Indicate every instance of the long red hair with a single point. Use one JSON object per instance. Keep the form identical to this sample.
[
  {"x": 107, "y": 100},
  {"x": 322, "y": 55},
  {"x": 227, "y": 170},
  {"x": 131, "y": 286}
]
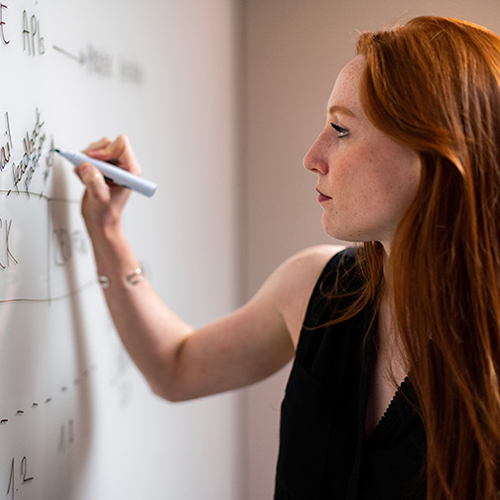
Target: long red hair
[{"x": 434, "y": 85}]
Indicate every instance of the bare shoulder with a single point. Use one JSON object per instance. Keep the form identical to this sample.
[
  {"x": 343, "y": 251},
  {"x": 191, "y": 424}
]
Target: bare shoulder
[
  {"x": 312, "y": 258},
  {"x": 294, "y": 281},
  {"x": 304, "y": 268}
]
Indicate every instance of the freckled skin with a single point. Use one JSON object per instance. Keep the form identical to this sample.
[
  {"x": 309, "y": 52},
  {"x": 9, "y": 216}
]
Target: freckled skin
[{"x": 370, "y": 178}]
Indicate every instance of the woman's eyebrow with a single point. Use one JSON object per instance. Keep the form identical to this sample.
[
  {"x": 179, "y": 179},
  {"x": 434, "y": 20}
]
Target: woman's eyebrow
[{"x": 340, "y": 109}]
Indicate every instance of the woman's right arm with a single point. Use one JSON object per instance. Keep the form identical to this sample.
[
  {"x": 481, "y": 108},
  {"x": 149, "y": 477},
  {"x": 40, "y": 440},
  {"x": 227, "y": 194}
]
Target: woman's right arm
[{"x": 181, "y": 363}]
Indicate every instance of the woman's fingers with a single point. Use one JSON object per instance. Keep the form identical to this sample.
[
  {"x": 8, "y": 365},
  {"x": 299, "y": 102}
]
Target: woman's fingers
[
  {"x": 96, "y": 146},
  {"x": 94, "y": 182},
  {"x": 119, "y": 152}
]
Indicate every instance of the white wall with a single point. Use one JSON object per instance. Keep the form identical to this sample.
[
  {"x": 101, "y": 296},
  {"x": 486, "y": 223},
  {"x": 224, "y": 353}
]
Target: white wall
[{"x": 293, "y": 52}]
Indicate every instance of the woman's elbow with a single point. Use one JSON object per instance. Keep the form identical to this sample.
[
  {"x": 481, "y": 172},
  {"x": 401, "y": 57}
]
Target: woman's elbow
[{"x": 168, "y": 391}]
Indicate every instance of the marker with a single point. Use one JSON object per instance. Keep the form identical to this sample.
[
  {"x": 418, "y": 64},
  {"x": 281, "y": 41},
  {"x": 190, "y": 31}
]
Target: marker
[{"x": 115, "y": 174}]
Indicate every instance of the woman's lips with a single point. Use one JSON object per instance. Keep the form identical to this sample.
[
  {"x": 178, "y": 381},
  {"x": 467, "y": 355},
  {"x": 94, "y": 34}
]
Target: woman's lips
[{"x": 322, "y": 197}]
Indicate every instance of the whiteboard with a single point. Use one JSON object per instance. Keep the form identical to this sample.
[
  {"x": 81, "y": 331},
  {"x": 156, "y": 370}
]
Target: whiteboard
[{"x": 77, "y": 420}]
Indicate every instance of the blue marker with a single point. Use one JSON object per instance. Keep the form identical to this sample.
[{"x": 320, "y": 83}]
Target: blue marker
[{"x": 115, "y": 174}]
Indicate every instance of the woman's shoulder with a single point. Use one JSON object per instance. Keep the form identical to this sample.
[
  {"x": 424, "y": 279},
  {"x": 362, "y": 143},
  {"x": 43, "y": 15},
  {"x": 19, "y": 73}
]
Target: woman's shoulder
[
  {"x": 298, "y": 277},
  {"x": 308, "y": 264},
  {"x": 321, "y": 255},
  {"x": 322, "y": 259},
  {"x": 287, "y": 292}
]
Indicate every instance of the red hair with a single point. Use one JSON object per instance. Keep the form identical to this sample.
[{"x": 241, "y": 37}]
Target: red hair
[{"x": 433, "y": 84}]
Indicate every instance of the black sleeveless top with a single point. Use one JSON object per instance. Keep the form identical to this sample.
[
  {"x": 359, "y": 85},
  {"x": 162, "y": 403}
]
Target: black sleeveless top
[{"x": 324, "y": 453}]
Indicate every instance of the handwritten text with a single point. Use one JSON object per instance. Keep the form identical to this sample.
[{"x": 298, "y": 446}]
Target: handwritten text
[
  {"x": 6, "y": 149},
  {"x": 32, "y": 145},
  {"x": 6, "y": 256},
  {"x": 32, "y": 34},
  {"x": 2, "y": 24}
]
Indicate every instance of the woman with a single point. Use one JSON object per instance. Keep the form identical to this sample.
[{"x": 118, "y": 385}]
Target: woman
[{"x": 394, "y": 391}]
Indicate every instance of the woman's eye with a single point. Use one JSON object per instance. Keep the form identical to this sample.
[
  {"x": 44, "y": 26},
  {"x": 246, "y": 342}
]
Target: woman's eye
[{"x": 342, "y": 132}]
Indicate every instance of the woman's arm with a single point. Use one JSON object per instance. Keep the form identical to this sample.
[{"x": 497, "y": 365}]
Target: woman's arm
[{"x": 179, "y": 362}]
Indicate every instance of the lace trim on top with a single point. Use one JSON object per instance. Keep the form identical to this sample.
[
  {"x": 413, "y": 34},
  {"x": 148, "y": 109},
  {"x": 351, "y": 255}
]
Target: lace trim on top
[{"x": 389, "y": 418}]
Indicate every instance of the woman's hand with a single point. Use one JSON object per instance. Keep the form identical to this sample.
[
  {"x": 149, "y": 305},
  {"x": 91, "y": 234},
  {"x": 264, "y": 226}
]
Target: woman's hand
[{"x": 103, "y": 201}]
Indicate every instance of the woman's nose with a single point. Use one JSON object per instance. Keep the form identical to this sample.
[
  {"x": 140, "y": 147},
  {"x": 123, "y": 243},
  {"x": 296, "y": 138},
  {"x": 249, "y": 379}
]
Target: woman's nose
[{"x": 315, "y": 158}]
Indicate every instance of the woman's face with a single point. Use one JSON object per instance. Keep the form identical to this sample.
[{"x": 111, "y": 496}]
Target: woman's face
[{"x": 366, "y": 180}]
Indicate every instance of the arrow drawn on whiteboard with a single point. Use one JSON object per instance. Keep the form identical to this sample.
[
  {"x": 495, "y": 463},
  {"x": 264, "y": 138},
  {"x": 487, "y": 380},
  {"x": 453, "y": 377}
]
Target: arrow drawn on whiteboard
[{"x": 80, "y": 59}]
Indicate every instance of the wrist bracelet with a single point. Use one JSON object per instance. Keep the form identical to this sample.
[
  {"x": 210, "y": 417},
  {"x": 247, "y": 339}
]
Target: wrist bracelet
[
  {"x": 132, "y": 279},
  {"x": 136, "y": 277},
  {"x": 103, "y": 281}
]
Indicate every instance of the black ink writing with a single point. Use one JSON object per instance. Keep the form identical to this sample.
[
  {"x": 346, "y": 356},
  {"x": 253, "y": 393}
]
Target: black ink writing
[
  {"x": 6, "y": 150},
  {"x": 32, "y": 145},
  {"x": 12, "y": 490},
  {"x": 32, "y": 34},
  {"x": 12, "y": 486},
  {"x": 6, "y": 256},
  {"x": 2, "y": 25},
  {"x": 24, "y": 470}
]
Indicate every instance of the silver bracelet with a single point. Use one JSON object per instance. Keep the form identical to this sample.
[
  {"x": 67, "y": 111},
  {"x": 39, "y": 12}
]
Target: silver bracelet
[
  {"x": 136, "y": 277},
  {"x": 132, "y": 279},
  {"x": 103, "y": 281}
]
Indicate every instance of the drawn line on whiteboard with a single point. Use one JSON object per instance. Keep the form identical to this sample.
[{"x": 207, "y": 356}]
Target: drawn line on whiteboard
[
  {"x": 100, "y": 64},
  {"x": 84, "y": 287},
  {"x": 49, "y": 252},
  {"x": 80, "y": 59},
  {"x": 8, "y": 192},
  {"x": 64, "y": 388}
]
